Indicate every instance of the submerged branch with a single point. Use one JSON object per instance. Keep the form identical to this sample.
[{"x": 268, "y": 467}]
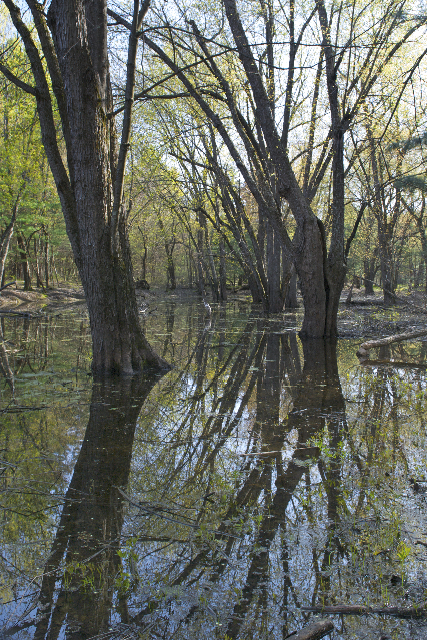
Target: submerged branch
[
  {"x": 417, "y": 611},
  {"x": 314, "y": 631}
]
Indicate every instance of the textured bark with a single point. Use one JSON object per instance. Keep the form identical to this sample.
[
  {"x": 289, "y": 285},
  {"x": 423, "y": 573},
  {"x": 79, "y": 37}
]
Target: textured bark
[
  {"x": 75, "y": 50},
  {"x": 309, "y": 264}
]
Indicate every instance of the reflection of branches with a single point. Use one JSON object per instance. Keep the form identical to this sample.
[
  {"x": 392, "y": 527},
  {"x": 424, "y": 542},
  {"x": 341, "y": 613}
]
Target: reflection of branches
[
  {"x": 222, "y": 419},
  {"x": 5, "y": 368},
  {"x": 90, "y": 525},
  {"x": 316, "y": 397}
]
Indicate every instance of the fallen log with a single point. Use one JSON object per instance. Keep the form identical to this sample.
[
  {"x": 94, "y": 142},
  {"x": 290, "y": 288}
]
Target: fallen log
[
  {"x": 417, "y": 611},
  {"x": 363, "y": 351},
  {"x": 5, "y": 286},
  {"x": 314, "y": 631},
  {"x": 21, "y": 314}
]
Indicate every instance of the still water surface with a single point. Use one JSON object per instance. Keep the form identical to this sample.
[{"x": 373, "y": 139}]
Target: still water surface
[{"x": 257, "y": 480}]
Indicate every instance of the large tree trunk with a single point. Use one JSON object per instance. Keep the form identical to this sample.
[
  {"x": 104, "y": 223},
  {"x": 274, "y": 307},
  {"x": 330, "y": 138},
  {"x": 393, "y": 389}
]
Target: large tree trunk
[
  {"x": 291, "y": 300},
  {"x": 119, "y": 345},
  {"x": 309, "y": 265},
  {"x": 77, "y": 60}
]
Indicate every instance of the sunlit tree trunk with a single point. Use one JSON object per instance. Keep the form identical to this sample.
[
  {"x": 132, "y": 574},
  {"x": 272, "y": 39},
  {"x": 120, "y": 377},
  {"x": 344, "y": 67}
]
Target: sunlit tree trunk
[{"x": 5, "y": 243}]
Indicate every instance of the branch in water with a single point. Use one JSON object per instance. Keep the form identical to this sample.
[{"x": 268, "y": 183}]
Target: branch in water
[{"x": 363, "y": 351}]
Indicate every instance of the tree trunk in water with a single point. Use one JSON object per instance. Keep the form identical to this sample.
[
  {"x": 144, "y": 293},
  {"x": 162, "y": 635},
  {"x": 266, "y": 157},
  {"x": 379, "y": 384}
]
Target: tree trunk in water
[
  {"x": 334, "y": 287},
  {"x": 257, "y": 296},
  {"x": 119, "y": 346},
  {"x": 77, "y": 61},
  {"x": 309, "y": 264}
]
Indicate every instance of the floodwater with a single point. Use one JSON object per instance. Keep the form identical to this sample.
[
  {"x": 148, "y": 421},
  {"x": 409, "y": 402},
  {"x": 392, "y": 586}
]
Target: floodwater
[{"x": 258, "y": 482}]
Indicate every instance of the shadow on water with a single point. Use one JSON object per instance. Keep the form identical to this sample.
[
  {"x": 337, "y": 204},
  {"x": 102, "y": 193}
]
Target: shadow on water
[{"x": 251, "y": 484}]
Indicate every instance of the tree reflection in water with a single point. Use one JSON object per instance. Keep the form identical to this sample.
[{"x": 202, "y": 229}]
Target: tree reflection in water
[
  {"x": 246, "y": 495},
  {"x": 88, "y": 535}
]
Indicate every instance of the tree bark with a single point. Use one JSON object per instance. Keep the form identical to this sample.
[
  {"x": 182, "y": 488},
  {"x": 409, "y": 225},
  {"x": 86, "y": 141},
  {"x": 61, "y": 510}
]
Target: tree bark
[
  {"x": 369, "y": 271},
  {"x": 291, "y": 300},
  {"x": 75, "y": 51},
  {"x": 24, "y": 262}
]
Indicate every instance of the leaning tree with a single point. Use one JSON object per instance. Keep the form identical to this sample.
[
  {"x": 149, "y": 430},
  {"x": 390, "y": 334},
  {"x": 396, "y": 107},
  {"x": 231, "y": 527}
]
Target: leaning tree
[
  {"x": 68, "y": 55},
  {"x": 251, "y": 70}
]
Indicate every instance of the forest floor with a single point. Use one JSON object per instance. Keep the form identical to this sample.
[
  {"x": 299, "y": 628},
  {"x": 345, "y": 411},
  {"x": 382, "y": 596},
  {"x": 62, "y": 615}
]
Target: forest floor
[{"x": 365, "y": 316}]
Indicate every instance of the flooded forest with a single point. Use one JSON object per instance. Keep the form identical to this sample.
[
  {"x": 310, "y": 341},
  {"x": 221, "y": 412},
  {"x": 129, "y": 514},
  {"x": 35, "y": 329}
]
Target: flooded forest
[
  {"x": 259, "y": 482},
  {"x": 213, "y": 342}
]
